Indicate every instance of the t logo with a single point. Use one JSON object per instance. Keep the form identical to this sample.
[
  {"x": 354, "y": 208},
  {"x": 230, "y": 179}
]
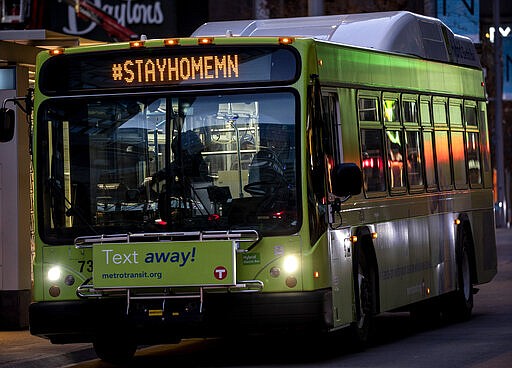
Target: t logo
[{"x": 220, "y": 272}]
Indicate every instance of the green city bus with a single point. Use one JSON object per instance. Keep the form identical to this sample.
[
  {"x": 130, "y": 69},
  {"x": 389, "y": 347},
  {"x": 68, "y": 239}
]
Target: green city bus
[{"x": 301, "y": 174}]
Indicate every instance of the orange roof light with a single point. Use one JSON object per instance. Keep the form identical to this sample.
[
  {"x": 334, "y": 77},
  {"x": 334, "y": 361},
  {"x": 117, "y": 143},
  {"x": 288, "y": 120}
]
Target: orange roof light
[
  {"x": 286, "y": 40},
  {"x": 172, "y": 42},
  {"x": 205, "y": 41},
  {"x": 58, "y": 51},
  {"x": 136, "y": 44}
]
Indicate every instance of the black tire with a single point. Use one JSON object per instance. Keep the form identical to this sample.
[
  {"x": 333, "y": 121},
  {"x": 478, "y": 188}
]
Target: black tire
[
  {"x": 116, "y": 350},
  {"x": 459, "y": 306},
  {"x": 364, "y": 292}
]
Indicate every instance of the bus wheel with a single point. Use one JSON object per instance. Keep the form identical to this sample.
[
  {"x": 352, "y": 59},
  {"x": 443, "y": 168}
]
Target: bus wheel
[
  {"x": 114, "y": 349},
  {"x": 364, "y": 287},
  {"x": 460, "y": 304}
]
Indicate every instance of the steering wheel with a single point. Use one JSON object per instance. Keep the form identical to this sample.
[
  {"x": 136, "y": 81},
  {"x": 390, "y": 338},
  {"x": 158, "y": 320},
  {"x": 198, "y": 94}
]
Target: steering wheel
[{"x": 259, "y": 188}]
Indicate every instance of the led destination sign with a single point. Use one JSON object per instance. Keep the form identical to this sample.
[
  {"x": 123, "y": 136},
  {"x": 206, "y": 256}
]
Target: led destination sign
[
  {"x": 166, "y": 67},
  {"x": 176, "y": 69}
]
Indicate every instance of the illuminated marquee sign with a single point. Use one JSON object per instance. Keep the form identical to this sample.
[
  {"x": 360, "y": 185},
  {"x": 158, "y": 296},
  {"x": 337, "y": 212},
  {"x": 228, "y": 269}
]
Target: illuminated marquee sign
[
  {"x": 168, "y": 68},
  {"x": 165, "y": 70}
]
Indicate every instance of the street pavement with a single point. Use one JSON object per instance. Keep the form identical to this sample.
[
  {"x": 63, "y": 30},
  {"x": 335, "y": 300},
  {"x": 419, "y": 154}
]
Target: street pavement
[{"x": 21, "y": 349}]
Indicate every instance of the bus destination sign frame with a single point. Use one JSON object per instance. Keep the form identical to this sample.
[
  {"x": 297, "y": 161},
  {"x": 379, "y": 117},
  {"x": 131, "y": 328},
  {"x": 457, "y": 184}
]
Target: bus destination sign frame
[{"x": 164, "y": 68}]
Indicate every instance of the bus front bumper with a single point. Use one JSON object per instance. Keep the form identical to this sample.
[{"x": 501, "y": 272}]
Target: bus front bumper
[{"x": 220, "y": 314}]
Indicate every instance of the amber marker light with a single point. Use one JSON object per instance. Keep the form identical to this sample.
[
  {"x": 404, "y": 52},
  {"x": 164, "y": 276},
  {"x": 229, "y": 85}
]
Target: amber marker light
[
  {"x": 374, "y": 235},
  {"x": 291, "y": 281},
  {"x": 316, "y": 274},
  {"x": 456, "y": 221},
  {"x": 136, "y": 44},
  {"x": 205, "y": 41},
  {"x": 286, "y": 40},
  {"x": 155, "y": 313},
  {"x": 54, "y": 291},
  {"x": 172, "y": 42},
  {"x": 353, "y": 239},
  {"x": 55, "y": 52}
]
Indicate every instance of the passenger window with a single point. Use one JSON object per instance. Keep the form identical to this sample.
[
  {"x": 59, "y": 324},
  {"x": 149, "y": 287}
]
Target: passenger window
[
  {"x": 472, "y": 148},
  {"x": 331, "y": 116},
  {"x": 484, "y": 147},
  {"x": 459, "y": 160},
  {"x": 373, "y": 160},
  {"x": 443, "y": 160},
  {"x": 414, "y": 162},
  {"x": 391, "y": 111},
  {"x": 430, "y": 168},
  {"x": 410, "y": 112},
  {"x": 368, "y": 109},
  {"x": 425, "y": 113},
  {"x": 455, "y": 115},
  {"x": 440, "y": 113},
  {"x": 470, "y": 116},
  {"x": 396, "y": 172}
]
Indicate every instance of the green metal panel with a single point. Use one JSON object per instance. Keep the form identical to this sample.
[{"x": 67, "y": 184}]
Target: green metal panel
[{"x": 360, "y": 67}]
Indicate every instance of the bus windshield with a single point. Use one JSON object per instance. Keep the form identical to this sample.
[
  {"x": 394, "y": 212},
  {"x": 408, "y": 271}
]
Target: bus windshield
[{"x": 164, "y": 163}]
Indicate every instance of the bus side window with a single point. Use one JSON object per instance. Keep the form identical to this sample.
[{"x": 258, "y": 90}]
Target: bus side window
[
  {"x": 391, "y": 111},
  {"x": 410, "y": 112},
  {"x": 414, "y": 162},
  {"x": 425, "y": 114},
  {"x": 485, "y": 146},
  {"x": 443, "y": 160},
  {"x": 372, "y": 154},
  {"x": 439, "y": 109},
  {"x": 459, "y": 160},
  {"x": 470, "y": 116},
  {"x": 442, "y": 144},
  {"x": 395, "y": 149},
  {"x": 430, "y": 168},
  {"x": 368, "y": 109},
  {"x": 331, "y": 117},
  {"x": 472, "y": 148}
]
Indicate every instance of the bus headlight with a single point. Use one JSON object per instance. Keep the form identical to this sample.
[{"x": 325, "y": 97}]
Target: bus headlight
[
  {"x": 291, "y": 264},
  {"x": 54, "y": 273}
]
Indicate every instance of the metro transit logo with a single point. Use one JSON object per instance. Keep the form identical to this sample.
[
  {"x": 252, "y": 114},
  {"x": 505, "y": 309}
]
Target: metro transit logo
[{"x": 220, "y": 272}]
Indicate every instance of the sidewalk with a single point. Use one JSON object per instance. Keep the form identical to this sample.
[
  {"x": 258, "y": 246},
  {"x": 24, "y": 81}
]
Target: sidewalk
[{"x": 21, "y": 349}]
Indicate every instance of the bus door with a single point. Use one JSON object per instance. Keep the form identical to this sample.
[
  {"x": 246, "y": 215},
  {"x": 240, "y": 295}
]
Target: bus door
[
  {"x": 338, "y": 237},
  {"x": 330, "y": 181}
]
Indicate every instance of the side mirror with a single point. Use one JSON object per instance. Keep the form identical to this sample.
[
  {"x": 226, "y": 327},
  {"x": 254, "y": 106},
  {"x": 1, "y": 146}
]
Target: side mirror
[
  {"x": 6, "y": 124},
  {"x": 346, "y": 179}
]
